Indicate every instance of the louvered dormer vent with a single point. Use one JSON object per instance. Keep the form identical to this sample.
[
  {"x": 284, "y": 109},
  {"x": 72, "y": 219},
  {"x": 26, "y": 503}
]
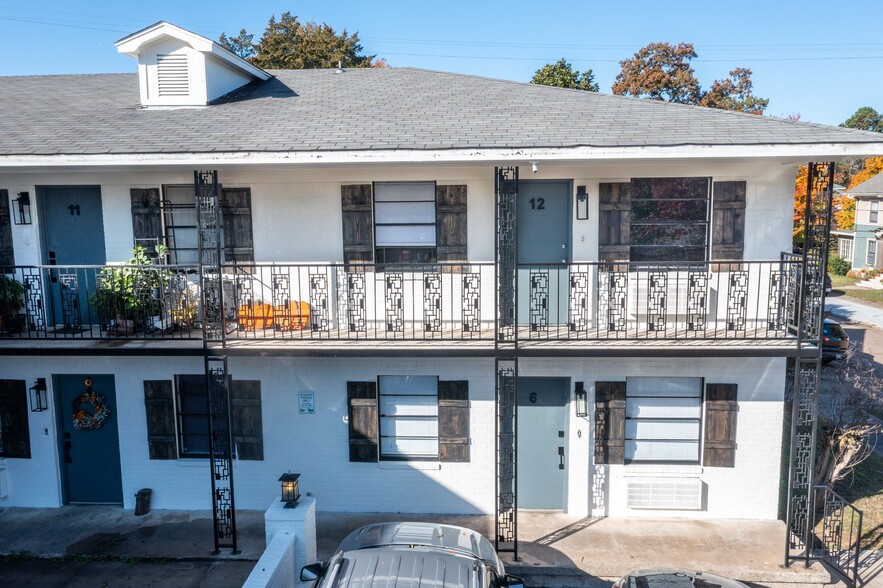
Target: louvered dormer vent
[{"x": 173, "y": 75}]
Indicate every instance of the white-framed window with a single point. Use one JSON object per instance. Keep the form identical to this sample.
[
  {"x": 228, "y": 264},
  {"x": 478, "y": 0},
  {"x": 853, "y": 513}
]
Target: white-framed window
[
  {"x": 663, "y": 419},
  {"x": 844, "y": 248},
  {"x": 408, "y": 417},
  {"x": 404, "y": 222},
  {"x": 875, "y": 212},
  {"x": 871, "y": 254}
]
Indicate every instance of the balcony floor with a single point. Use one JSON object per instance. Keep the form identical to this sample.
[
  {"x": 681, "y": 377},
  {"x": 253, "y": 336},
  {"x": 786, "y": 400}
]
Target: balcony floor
[{"x": 379, "y": 342}]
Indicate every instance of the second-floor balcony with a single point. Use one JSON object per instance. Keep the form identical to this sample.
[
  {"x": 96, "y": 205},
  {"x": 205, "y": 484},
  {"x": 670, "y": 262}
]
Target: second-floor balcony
[{"x": 326, "y": 304}]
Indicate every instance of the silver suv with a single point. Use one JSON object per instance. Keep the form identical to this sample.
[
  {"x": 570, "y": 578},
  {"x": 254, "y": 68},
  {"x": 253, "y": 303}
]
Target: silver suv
[{"x": 412, "y": 554}]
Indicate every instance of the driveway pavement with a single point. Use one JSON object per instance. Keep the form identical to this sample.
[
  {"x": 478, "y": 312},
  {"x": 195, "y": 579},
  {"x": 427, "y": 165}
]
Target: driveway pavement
[{"x": 854, "y": 310}]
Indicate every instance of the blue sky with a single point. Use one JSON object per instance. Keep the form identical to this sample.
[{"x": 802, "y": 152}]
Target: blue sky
[{"x": 822, "y": 60}]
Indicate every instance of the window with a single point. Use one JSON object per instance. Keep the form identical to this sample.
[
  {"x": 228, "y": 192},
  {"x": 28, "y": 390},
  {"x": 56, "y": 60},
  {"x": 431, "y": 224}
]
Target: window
[
  {"x": 875, "y": 211},
  {"x": 669, "y": 219},
  {"x": 844, "y": 248},
  {"x": 663, "y": 419},
  {"x": 178, "y": 418},
  {"x": 404, "y": 222},
  {"x": 408, "y": 417},
  {"x": 193, "y": 416},
  {"x": 871, "y": 255},
  {"x": 15, "y": 440},
  {"x": 179, "y": 223}
]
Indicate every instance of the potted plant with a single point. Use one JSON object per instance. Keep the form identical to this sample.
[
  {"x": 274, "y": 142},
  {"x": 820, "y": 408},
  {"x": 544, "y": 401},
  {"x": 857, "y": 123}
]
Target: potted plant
[
  {"x": 130, "y": 294},
  {"x": 12, "y": 294}
]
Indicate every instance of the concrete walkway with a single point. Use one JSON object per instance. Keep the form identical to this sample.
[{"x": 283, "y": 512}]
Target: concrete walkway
[
  {"x": 850, "y": 309},
  {"x": 556, "y": 549}
]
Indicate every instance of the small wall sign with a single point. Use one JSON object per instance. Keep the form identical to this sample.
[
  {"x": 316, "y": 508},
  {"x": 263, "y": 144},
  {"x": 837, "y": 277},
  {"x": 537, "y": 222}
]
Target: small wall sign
[{"x": 306, "y": 403}]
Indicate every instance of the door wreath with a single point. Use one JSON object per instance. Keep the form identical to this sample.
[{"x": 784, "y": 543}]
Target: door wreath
[{"x": 83, "y": 419}]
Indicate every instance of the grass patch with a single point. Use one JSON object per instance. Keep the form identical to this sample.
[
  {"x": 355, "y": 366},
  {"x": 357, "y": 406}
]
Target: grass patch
[
  {"x": 840, "y": 281},
  {"x": 867, "y": 295},
  {"x": 865, "y": 490}
]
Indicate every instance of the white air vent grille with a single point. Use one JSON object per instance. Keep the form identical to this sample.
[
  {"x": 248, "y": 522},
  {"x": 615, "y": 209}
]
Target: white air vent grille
[
  {"x": 665, "y": 493},
  {"x": 173, "y": 75}
]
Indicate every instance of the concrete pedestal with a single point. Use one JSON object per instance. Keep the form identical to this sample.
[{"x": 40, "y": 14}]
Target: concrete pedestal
[{"x": 300, "y": 522}]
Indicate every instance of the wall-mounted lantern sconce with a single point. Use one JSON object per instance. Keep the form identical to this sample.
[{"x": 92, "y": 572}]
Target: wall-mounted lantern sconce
[
  {"x": 582, "y": 203},
  {"x": 582, "y": 400},
  {"x": 38, "y": 395},
  {"x": 290, "y": 490},
  {"x": 22, "y": 214}
]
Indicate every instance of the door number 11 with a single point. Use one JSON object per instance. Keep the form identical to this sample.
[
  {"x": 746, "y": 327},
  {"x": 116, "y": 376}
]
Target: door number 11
[{"x": 75, "y": 209}]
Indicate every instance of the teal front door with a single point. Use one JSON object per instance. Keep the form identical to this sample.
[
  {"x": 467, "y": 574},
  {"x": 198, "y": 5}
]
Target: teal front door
[
  {"x": 542, "y": 443},
  {"x": 543, "y": 213},
  {"x": 90, "y": 442},
  {"x": 72, "y": 233}
]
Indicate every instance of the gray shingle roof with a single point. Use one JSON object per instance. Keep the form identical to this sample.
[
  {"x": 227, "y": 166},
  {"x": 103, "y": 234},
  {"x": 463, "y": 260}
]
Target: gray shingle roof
[
  {"x": 873, "y": 185},
  {"x": 367, "y": 109}
]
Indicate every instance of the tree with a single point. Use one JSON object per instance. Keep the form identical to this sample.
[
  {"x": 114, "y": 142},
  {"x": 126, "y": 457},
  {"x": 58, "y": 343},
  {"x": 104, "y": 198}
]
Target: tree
[
  {"x": 872, "y": 167},
  {"x": 734, "y": 93},
  {"x": 662, "y": 71},
  {"x": 288, "y": 44},
  {"x": 865, "y": 119},
  {"x": 844, "y": 213},
  {"x": 242, "y": 44},
  {"x": 562, "y": 75},
  {"x": 799, "y": 205}
]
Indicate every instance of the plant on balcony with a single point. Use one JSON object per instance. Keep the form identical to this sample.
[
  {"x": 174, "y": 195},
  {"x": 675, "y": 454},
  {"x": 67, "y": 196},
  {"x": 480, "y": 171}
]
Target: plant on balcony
[
  {"x": 12, "y": 294},
  {"x": 127, "y": 295}
]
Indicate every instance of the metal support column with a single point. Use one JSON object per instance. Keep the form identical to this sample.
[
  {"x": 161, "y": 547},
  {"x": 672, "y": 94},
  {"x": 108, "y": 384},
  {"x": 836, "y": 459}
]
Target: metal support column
[
  {"x": 217, "y": 380},
  {"x": 506, "y": 363},
  {"x": 807, "y": 370}
]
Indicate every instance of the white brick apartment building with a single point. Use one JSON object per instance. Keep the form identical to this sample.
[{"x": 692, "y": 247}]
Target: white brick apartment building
[{"x": 441, "y": 293}]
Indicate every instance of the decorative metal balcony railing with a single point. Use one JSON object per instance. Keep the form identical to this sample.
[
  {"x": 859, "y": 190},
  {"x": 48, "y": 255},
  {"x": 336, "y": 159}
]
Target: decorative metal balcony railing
[{"x": 436, "y": 302}]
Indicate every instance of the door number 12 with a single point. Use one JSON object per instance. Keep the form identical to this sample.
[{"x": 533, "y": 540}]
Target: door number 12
[{"x": 537, "y": 203}]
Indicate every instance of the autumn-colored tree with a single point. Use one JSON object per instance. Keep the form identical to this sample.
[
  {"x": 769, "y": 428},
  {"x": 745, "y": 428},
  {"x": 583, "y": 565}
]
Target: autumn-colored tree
[
  {"x": 844, "y": 213},
  {"x": 734, "y": 93},
  {"x": 562, "y": 75},
  {"x": 799, "y": 204},
  {"x": 662, "y": 71},
  {"x": 289, "y": 44},
  {"x": 872, "y": 167}
]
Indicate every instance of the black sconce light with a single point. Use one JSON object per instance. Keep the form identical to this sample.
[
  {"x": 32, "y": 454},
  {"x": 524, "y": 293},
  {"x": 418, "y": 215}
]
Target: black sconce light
[
  {"x": 582, "y": 400},
  {"x": 582, "y": 203},
  {"x": 290, "y": 491},
  {"x": 23, "y": 208},
  {"x": 39, "y": 402}
]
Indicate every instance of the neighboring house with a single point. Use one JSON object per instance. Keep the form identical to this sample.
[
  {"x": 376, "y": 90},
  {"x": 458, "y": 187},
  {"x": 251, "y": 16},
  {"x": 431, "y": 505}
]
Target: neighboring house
[
  {"x": 375, "y": 288},
  {"x": 864, "y": 245}
]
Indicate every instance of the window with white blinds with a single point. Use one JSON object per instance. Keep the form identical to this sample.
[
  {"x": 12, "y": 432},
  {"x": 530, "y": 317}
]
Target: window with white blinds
[
  {"x": 408, "y": 417},
  {"x": 404, "y": 222},
  {"x": 663, "y": 419}
]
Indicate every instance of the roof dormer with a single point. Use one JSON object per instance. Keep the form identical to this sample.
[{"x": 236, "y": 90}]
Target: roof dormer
[{"x": 180, "y": 68}]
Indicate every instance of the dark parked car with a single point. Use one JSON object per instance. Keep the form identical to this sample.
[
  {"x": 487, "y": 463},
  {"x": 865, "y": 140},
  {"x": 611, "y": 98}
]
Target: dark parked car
[
  {"x": 835, "y": 341},
  {"x": 412, "y": 554},
  {"x": 665, "y": 578},
  {"x": 829, "y": 287}
]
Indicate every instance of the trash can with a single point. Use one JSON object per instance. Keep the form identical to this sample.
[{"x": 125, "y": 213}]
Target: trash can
[{"x": 142, "y": 501}]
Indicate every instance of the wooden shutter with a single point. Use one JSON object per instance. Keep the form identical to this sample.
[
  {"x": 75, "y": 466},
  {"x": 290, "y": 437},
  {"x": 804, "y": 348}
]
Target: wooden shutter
[
  {"x": 363, "y": 421},
  {"x": 450, "y": 223},
  {"x": 614, "y": 221},
  {"x": 358, "y": 224},
  {"x": 610, "y": 422},
  {"x": 159, "y": 404},
  {"x": 7, "y": 254},
  {"x": 721, "y": 405},
  {"x": 248, "y": 434},
  {"x": 728, "y": 220},
  {"x": 146, "y": 214},
  {"x": 453, "y": 421},
  {"x": 15, "y": 434},
  {"x": 236, "y": 213}
]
